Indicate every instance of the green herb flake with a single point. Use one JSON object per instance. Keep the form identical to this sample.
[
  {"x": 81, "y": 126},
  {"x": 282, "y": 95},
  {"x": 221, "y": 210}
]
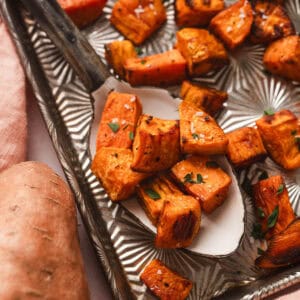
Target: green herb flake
[
  {"x": 131, "y": 135},
  {"x": 260, "y": 251},
  {"x": 280, "y": 189},
  {"x": 260, "y": 212},
  {"x": 195, "y": 136},
  {"x": 212, "y": 164},
  {"x": 263, "y": 175},
  {"x": 199, "y": 179},
  {"x": 188, "y": 178},
  {"x": 138, "y": 51},
  {"x": 294, "y": 132},
  {"x": 114, "y": 127},
  {"x": 143, "y": 61},
  {"x": 153, "y": 194},
  {"x": 269, "y": 112},
  {"x": 272, "y": 219},
  {"x": 257, "y": 232}
]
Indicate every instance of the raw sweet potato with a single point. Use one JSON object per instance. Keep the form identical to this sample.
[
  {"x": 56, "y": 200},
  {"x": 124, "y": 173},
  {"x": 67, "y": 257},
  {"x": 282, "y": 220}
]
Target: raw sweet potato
[
  {"x": 83, "y": 12},
  {"x": 163, "y": 69},
  {"x": 118, "y": 121},
  {"x": 39, "y": 250},
  {"x": 282, "y": 57},
  {"x": 233, "y": 24},
  {"x": 138, "y": 19}
]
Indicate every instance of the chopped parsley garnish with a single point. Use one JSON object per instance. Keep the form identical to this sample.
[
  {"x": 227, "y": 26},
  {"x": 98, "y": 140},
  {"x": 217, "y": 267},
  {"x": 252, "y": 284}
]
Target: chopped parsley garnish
[
  {"x": 260, "y": 212},
  {"x": 143, "y": 61},
  {"x": 212, "y": 164},
  {"x": 280, "y": 189},
  {"x": 269, "y": 112},
  {"x": 131, "y": 135},
  {"x": 189, "y": 178},
  {"x": 257, "y": 232},
  {"x": 263, "y": 175},
  {"x": 114, "y": 127},
  {"x": 195, "y": 136},
  {"x": 272, "y": 219},
  {"x": 199, "y": 179},
  {"x": 138, "y": 51},
  {"x": 260, "y": 251},
  {"x": 152, "y": 194}
]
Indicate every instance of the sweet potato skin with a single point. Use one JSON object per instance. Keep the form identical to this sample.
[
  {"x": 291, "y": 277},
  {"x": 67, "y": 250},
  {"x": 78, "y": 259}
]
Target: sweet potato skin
[
  {"x": 39, "y": 258},
  {"x": 280, "y": 133},
  {"x": 245, "y": 147},
  {"x": 123, "y": 110},
  {"x": 165, "y": 283},
  {"x": 163, "y": 69},
  {"x": 83, "y": 12},
  {"x": 233, "y": 24},
  {"x": 282, "y": 57}
]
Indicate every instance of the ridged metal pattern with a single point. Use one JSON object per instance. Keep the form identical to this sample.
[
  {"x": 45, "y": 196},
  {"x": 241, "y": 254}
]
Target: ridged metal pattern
[{"x": 251, "y": 92}]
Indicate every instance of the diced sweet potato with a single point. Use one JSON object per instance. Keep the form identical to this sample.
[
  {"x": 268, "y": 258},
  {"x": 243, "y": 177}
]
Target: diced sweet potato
[
  {"x": 280, "y": 134},
  {"x": 153, "y": 194},
  {"x": 204, "y": 179},
  {"x": 118, "y": 121},
  {"x": 197, "y": 12},
  {"x": 179, "y": 222},
  {"x": 138, "y": 19},
  {"x": 282, "y": 57},
  {"x": 116, "y": 54},
  {"x": 208, "y": 99},
  {"x": 245, "y": 147},
  {"x": 156, "y": 144},
  {"x": 271, "y": 22},
  {"x": 233, "y": 24},
  {"x": 83, "y": 12},
  {"x": 112, "y": 166},
  {"x": 165, "y": 283},
  {"x": 163, "y": 69},
  {"x": 202, "y": 51},
  {"x": 283, "y": 249},
  {"x": 199, "y": 132},
  {"x": 273, "y": 205}
]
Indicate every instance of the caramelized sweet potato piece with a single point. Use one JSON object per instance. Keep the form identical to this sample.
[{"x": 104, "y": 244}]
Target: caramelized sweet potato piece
[
  {"x": 179, "y": 222},
  {"x": 282, "y": 57},
  {"x": 163, "y": 69},
  {"x": 156, "y": 144},
  {"x": 83, "y": 12},
  {"x": 112, "y": 166},
  {"x": 245, "y": 147},
  {"x": 116, "y": 54},
  {"x": 165, "y": 283},
  {"x": 208, "y": 99},
  {"x": 196, "y": 12},
  {"x": 138, "y": 19},
  {"x": 202, "y": 51},
  {"x": 271, "y": 22},
  {"x": 280, "y": 134},
  {"x": 284, "y": 248},
  {"x": 199, "y": 132},
  {"x": 271, "y": 198},
  {"x": 204, "y": 179},
  {"x": 118, "y": 121},
  {"x": 153, "y": 194},
  {"x": 233, "y": 24}
]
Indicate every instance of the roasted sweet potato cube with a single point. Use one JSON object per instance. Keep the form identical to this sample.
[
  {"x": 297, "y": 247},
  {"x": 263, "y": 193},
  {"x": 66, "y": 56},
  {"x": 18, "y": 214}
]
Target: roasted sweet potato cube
[
  {"x": 153, "y": 193},
  {"x": 208, "y": 99},
  {"x": 163, "y": 69},
  {"x": 118, "y": 121},
  {"x": 283, "y": 248},
  {"x": 233, "y": 24},
  {"x": 112, "y": 166},
  {"x": 271, "y": 22},
  {"x": 282, "y": 57},
  {"x": 156, "y": 144},
  {"x": 82, "y": 12},
  {"x": 273, "y": 206},
  {"x": 165, "y": 283},
  {"x": 202, "y": 51},
  {"x": 199, "y": 132},
  {"x": 138, "y": 19},
  {"x": 179, "y": 222},
  {"x": 203, "y": 178},
  {"x": 281, "y": 137},
  {"x": 116, "y": 54},
  {"x": 245, "y": 147},
  {"x": 197, "y": 12}
]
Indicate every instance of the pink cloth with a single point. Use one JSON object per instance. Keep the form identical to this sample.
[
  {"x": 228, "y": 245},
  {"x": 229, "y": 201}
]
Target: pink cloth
[{"x": 13, "y": 122}]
